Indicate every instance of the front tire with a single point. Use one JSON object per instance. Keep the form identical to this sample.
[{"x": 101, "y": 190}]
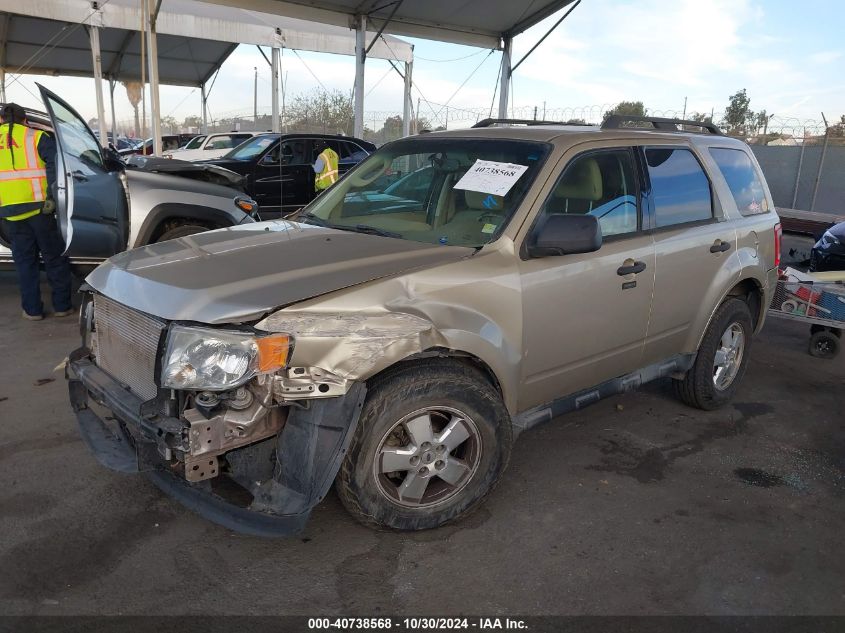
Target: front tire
[
  {"x": 432, "y": 442},
  {"x": 721, "y": 360}
]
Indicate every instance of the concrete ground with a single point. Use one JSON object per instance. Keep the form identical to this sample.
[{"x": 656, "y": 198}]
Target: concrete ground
[{"x": 636, "y": 505}]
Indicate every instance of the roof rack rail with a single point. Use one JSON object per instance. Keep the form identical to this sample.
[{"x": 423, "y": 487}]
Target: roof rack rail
[
  {"x": 491, "y": 122},
  {"x": 617, "y": 121}
]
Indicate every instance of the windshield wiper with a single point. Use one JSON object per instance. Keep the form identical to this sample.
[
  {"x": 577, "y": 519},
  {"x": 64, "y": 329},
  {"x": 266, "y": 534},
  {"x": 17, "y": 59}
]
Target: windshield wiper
[
  {"x": 369, "y": 230},
  {"x": 309, "y": 218}
]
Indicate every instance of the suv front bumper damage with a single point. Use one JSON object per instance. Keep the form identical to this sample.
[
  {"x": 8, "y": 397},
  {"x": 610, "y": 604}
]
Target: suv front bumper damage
[{"x": 286, "y": 475}]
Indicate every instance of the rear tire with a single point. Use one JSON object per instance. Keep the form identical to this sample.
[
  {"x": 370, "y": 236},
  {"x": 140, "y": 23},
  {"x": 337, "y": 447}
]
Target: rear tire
[
  {"x": 439, "y": 417},
  {"x": 824, "y": 345},
  {"x": 181, "y": 230},
  {"x": 721, "y": 360}
]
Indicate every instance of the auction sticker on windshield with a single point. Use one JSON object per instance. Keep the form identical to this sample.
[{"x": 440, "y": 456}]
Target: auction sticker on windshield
[{"x": 488, "y": 176}]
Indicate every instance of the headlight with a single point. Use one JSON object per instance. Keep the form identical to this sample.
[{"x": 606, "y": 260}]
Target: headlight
[
  {"x": 205, "y": 358},
  {"x": 830, "y": 238}
]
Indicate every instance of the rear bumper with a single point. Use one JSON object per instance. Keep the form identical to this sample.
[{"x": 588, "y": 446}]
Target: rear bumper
[{"x": 309, "y": 451}]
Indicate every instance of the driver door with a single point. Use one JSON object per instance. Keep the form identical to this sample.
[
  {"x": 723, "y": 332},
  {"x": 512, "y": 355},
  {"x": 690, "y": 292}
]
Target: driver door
[{"x": 91, "y": 203}]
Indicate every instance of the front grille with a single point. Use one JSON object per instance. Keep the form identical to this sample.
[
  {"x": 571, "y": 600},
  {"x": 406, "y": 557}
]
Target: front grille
[{"x": 127, "y": 345}]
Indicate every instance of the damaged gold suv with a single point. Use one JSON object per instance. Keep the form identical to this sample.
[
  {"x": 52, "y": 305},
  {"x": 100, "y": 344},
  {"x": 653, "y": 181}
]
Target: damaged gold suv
[{"x": 397, "y": 334}]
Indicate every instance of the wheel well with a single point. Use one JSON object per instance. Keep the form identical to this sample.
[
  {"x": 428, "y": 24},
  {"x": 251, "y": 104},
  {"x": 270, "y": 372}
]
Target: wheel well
[
  {"x": 439, "y": 355},
  {"x": 171, "y": 223},
  {"x": 752, "y": 293}
]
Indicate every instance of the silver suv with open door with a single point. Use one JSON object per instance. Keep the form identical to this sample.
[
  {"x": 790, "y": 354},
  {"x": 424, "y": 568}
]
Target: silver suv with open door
[
  {"x": 451, "y": 291},
  {"x": 104, "y": 207}
]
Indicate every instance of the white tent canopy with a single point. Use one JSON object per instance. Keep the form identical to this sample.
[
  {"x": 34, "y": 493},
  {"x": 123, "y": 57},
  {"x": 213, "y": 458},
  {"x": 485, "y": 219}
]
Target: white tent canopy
[
  {"x": 485, "y": 23},
  {"x": 189, "y": 40}
]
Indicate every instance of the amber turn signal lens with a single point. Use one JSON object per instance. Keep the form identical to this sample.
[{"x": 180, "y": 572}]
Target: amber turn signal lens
[
  {"x": 273, "y": 352},
  {"x": 246, "y": 205}
]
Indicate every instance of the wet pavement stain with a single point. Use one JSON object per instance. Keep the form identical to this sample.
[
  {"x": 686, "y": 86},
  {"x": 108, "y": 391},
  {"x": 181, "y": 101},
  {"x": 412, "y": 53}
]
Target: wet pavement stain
[
  {"x": 626, "y": 454},
  {"x": 757, "y": 477}
]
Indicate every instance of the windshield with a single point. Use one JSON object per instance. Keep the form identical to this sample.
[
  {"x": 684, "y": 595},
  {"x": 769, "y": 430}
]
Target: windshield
[
  {"x": 194, "y": 143},
  {"x": 459, "y": 192},
  {"x": 253, "y": 147}
]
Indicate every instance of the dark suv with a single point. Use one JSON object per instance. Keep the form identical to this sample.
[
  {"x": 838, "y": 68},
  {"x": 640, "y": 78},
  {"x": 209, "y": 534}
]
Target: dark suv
[{"x": 277, "y": 167}]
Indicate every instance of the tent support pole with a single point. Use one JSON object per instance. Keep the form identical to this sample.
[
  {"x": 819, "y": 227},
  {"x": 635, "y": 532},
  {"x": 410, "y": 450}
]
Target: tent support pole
[
  {"x": 360, "y": 59},
  {"x": 94, "y": 36},
  {"x": 152, "y": 58},
  {"x": 406, "y": 113},
  {"x": 112, "y": 84},
  {"x": 504, "y": 82},
  {"x": 204, "y": 97},
  {"x": 2, "y": 85},
  {"x": 275, "y": 90}
]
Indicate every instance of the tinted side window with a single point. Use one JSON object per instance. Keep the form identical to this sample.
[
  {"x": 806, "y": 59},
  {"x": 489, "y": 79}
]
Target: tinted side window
[
  {"x": 680, "y": 188},
  {"x": 601, "y": 184},
  {"x": 743, "y": 180}
]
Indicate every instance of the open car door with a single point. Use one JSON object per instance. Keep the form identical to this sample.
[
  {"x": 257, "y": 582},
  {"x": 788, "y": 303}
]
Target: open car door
[{"x": 91, "y": 202}]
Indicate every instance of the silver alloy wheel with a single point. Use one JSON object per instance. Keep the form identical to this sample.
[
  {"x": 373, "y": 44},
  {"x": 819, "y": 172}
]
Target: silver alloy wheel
[
  {"x": 427, "y": 457},
  {"x": 728, "y": 358}
]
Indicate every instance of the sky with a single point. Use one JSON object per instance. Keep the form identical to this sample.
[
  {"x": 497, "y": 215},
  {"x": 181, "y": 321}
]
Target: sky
[{"x": 789, "y": 57}]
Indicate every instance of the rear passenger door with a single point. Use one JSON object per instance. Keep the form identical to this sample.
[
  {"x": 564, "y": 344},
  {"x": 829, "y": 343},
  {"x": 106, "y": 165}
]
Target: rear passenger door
[
  {"x": 695, "y": 247},
  {"x": 585, "y": 316}
]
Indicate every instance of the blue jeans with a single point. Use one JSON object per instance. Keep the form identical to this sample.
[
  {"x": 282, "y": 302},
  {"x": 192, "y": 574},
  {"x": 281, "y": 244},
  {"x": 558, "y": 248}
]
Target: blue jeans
[{"x": 39, "y": 235}]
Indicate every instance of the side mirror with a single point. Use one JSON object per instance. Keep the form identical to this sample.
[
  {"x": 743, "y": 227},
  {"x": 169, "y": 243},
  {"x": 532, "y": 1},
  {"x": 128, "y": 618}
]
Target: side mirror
[
  {"x": 269, "y": 159},
  {"x": 112, "y": 159},
  {"x": 560, "y": 234}
]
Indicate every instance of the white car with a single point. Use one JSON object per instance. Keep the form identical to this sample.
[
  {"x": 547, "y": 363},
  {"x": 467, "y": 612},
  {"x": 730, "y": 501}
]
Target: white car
[{"x": 209, "y": 146}]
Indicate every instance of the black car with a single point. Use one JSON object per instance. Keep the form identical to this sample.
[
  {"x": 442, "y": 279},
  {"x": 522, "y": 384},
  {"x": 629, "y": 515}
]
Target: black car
[
  {"x": 829, "y": 251},
  {"x": 278, "y": 168}
]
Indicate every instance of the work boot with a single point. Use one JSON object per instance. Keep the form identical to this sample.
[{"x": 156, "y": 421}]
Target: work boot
[
  {"x": 32, "y": 317},
  {"x": 63, "y": 313}
]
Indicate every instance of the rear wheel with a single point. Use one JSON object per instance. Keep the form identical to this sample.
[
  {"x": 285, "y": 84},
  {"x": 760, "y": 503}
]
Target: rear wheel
[
  {"x": 431, "y": 443},
  {"x": 721, "y": 360},
  {"x": 824, "y": 344},
  {"x": 181, "y": 230}
]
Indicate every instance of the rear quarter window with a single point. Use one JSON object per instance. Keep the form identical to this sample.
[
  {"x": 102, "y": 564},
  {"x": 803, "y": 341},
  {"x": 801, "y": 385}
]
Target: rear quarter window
[
  {"x": 743, "y": 180},
  {"x": 679, "y": 187}
]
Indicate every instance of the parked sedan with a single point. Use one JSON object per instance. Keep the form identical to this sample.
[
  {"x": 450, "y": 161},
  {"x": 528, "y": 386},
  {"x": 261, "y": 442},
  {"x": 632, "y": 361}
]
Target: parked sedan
[
  {"x": 829, "y": 251},
  {"x": 278, "y": 167}
]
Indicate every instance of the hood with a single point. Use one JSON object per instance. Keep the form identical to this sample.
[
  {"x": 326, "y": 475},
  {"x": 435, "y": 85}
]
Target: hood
[
  {"x": 196, "y": 171},
  {"x": 240, "y": 273}
]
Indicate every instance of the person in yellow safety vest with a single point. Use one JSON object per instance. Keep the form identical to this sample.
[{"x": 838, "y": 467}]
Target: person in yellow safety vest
[
  {"x": 325, "y": 167},
  {"x": 27, "y": 178}
]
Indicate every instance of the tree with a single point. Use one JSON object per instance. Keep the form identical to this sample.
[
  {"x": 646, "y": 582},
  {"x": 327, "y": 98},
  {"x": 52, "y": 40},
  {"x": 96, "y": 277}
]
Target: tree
[
  {"x": 320, "y": 110},
  {"x": 630, "y": 108},
  {"x": 576, "y": 122},
  {"x": 838, "y": 129},
  {"x": 192, "y": 123},
  {"x": 739, "y": 118},
  {"x": 134, "y": 91},
  {"x": 170, "y": 123}
]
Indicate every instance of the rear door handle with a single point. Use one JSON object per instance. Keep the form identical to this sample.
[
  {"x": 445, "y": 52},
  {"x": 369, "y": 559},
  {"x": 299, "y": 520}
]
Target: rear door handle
[
  {"x": 78, "y": 176},
  {"x": 632, "y": 269},
  {"x": 720, "y": 246}
]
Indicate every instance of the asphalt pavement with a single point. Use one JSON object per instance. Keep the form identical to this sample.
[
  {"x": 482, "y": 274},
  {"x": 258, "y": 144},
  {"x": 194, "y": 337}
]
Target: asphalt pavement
[{"x": 636, "y": 505}]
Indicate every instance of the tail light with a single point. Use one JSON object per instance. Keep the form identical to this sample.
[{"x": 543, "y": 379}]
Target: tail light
[{"x": 778, "y": 240}]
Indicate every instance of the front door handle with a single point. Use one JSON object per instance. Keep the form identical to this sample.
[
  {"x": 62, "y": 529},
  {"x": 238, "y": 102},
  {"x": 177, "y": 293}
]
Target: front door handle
[
  {"x": 78, "y": 176},
  {"x": 630, "y": 269},
  {"x": 720, "y": 246}
]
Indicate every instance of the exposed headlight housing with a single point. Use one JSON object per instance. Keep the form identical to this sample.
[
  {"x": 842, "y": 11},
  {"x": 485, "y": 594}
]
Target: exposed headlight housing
[{"x": 217, "y": 360}]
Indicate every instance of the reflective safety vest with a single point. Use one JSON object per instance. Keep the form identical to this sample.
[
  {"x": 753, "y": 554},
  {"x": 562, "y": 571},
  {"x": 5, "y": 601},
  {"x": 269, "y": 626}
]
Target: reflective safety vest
[
  {"x": 328, "y": 176},
  {"x": 23, "y": 175}
]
